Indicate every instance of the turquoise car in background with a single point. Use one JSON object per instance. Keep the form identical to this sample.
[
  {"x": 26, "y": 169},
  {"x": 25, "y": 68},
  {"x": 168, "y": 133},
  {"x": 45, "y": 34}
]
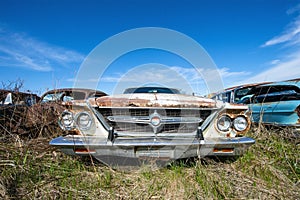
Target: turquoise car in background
[{"x": 275, "y": 104}]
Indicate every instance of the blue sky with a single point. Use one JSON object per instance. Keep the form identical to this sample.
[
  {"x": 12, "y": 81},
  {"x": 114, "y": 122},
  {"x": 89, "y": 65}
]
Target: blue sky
[{"x": 44, "y": 42}]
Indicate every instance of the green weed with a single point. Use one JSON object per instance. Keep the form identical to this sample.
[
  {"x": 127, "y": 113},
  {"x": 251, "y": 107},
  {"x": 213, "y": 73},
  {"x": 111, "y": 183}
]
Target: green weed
[{"x": 268, "y": 170}]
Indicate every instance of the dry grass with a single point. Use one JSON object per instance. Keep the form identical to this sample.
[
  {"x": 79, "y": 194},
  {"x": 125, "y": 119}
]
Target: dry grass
[{"x": 31, "y": 169}]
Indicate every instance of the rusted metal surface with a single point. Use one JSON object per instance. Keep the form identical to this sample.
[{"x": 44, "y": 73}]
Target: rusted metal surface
[{"x": 155, "y": 100}]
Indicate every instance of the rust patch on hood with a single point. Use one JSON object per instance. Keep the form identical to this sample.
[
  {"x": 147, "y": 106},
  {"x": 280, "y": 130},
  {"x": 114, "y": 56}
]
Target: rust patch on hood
[{"x": 155, "y": 100}]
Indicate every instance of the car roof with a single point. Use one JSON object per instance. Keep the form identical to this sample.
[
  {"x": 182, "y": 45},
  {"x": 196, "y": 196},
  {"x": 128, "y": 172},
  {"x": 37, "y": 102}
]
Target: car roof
[{"x": 212, "y": 95}]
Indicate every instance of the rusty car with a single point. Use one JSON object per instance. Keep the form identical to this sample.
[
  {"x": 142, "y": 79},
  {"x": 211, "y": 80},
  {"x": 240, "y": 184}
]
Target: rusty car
[
  {"x": 53, "y": 102},
  {"x": 153, "y": 123}
]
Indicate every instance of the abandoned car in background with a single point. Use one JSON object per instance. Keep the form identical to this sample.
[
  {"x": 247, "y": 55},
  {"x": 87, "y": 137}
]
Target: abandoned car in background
[
  {"x": 275, "y": 104},
  {"x": 14, "y": 98},
  {"x": 149, "y": 123},
  {"x": 53, "y": 102},
  {"x": 15, "y": 107},
  {"x": 27, "y": 114},
  {"x": 235, "y": 94},
  {"x": 70, "y": 94}
]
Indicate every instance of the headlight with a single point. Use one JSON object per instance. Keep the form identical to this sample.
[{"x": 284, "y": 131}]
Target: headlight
[
  {"x": 224, "y": 123},
  {"x": 84, "y": 120},
  {"x": 66, "y": 121},
  {"x": 240, "y": 123}
]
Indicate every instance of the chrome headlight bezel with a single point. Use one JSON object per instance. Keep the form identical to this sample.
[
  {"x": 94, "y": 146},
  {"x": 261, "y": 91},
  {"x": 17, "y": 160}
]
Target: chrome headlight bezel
[
  {"x": 240, "y": 123},
  {"x": 88, "y": 120},
  {"x": 224, "y": 123},
  {"x": 66, "y": 120}
]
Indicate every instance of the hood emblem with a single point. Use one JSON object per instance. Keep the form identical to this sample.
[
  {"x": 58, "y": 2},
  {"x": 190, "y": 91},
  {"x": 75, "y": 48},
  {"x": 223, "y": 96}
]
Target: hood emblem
[{"x": 155, "y": 120}]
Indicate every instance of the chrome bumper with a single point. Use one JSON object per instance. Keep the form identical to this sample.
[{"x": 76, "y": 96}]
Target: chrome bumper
[{"x": 160, "y": 148}]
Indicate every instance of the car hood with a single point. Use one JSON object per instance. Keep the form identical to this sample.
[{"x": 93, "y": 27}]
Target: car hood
[{"x": 155, "y": 100}]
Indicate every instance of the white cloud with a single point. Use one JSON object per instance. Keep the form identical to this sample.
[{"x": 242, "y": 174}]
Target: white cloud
[
  {"x": 187, "y": 79},
  {"x": 293, "y": 10},
  {"x": 284, "y": 70},
  {"x": 163, "y": 74},
  {"x": 291, "y": 33},
  {"x": 288, "y": 67},
  {"x": 82, "y": 81},
  {"x": 274, "y": 62},
  {"x": 226, "y": 73},
  {"x": 20, "y": 50}
]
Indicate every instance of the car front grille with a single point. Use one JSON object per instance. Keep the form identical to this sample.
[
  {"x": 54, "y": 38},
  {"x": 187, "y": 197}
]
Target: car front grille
[{"x": 143, "y": 120}]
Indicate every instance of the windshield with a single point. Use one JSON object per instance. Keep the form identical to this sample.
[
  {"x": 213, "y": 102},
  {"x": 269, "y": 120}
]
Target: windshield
[
  {"x": 52, "y": 97},
  {"x": 64, "y": 96},
  {"x": 239, "y": 93},
  {"x": 151, "y": 90}
]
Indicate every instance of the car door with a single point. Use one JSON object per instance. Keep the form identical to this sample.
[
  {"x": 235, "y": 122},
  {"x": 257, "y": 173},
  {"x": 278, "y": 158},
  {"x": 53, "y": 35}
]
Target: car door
[
  {"x": 276, "y": 107},
  {"x": 262, "y": 112}
]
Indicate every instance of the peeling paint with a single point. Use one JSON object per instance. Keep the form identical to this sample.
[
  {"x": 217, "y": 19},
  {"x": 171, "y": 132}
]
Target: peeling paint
[{"x": 155, "y": 100}]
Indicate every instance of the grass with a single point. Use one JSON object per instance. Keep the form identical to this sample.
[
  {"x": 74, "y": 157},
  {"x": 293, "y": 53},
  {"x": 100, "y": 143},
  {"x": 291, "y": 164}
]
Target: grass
[{"x": 270, "y": 169}]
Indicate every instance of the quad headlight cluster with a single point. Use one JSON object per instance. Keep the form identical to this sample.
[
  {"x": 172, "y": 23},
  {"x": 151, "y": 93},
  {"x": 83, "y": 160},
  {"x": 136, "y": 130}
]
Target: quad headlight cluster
[
  {"x": 69, "y": 121},
  {"x": 225, "y": 123}
]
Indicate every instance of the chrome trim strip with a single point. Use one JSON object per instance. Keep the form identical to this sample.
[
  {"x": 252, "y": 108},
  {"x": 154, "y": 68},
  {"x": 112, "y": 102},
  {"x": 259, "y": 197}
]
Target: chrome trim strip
[
  {"x": 158, "y": 108},
  {"x": 148, "y": 141},
  {"x": 153, "y": 134},
  {"x": 146, "y": 119}
]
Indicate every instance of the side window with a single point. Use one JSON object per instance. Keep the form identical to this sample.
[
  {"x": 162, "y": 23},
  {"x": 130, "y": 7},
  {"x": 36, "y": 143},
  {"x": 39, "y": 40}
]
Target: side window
[
  {"x": 52, "y": 97},
  {"x": 225, "y": 97},
  {"x": 219, "y": 97},
  {"x": 29, "y": 101},
  {"x": 228, "y": 97},
  {"x": 245, "y": 100},
  {"x": 78, "y": 95},
  {"x": 285, "y": 95},
  {"x": 67, "y": 98},
  {"x": 8, "y": 100}
]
